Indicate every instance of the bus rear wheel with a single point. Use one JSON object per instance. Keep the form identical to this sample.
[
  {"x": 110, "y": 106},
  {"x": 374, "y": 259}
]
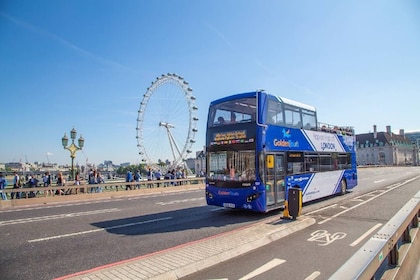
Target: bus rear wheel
[{"x": 343, "y": 187}]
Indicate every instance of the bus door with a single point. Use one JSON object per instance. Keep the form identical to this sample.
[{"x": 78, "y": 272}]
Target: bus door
[{"x": 275, "y": 171}]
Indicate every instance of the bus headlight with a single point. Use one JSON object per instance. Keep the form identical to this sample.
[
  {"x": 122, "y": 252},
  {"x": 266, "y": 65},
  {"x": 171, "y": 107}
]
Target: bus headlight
[
  {"x": 252, "y": 197},
  {"x": 209, "y": 195}
]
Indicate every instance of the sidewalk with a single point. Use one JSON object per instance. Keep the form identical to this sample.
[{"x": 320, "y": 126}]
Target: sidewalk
[
  {"x": 85, "y": 196},
  {"x": 186, "y": 259}
]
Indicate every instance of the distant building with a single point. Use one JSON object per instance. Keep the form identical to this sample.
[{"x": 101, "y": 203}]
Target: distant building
[
  {"x": 414, "y": 137},
  {"x": 385, "y": 148},
  {"x": 415, "y": 140},
  {"x": 190, "y": 163},
  {"x": 107, "y": 166},
  {"x": 14, "y": 166},
  {"x": 48, "y": 166}
]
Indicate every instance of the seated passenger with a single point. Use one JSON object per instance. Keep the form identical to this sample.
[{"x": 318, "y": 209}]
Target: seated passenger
[{"x": 221, "y": 120}]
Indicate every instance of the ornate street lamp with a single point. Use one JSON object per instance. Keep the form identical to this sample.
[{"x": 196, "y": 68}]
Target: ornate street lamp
[{"x": 73, "y": 148}]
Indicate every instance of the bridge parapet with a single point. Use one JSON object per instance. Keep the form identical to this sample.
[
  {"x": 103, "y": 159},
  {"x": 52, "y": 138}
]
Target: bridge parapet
[{"x": 387, "y": 254}]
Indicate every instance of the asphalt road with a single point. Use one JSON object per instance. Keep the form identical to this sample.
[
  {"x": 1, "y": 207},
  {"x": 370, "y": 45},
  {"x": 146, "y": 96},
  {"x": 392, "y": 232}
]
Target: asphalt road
[
  {"x": 44, "y": 242},
  {"x": 50, "y": 241},
  {"x": 343, "y": 225}
]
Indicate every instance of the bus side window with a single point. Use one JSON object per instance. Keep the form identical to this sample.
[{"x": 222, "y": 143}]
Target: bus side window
[
  {"x": 294, "y": 167},
  {"x": 325, "y": 162},
  {"x": 295, "y": 162}
]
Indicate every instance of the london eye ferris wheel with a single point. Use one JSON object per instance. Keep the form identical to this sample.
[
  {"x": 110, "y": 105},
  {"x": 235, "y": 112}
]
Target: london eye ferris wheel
[{"x": 166, "y": 122}]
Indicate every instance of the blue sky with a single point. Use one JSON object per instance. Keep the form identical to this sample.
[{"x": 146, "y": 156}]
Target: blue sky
[{"x": 87, "y": 63}]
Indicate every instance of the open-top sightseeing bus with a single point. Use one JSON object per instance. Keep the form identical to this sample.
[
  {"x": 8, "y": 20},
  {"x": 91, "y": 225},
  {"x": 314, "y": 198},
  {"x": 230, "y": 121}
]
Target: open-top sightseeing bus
[{"x": 259, "y": 145}]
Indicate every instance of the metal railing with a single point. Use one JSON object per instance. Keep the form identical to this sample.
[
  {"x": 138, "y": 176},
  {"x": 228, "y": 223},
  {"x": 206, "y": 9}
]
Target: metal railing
[
  {"x": 382, "y": 255},
  {"x": 71, "y": 189}
]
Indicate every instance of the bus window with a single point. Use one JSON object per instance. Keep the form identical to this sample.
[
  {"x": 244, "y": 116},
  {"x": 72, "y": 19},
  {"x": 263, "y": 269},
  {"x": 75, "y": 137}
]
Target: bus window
[
  {"x": 311, "y": 162},
  {"x": 233, "y": 111},
  {"x": 232, "y": 165},
  {"x": 309, "y": 119},
  {"x": 275, "y": 113},
  {"x": 344, "y": 161},
  {"x": 325, "y": 162},
  {"x": 294, "y": 162},
  {"x": 292, "y": 116}
]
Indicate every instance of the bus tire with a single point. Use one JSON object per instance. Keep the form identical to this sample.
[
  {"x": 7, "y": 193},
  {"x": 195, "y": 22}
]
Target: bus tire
[{"x": 343, "y": 187}]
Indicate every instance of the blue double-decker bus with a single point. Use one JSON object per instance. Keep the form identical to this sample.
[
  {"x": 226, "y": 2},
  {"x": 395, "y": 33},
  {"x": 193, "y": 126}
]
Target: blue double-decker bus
[{"x": 259, "y": 145}]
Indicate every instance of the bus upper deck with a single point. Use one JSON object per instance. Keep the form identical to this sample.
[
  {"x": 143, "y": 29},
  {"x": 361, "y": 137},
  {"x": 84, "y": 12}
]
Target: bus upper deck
[{"x": 281, "y": 111}]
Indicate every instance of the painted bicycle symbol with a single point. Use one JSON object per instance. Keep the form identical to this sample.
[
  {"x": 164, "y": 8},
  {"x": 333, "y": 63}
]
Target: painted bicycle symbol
[{"x": 326, "y": 238}]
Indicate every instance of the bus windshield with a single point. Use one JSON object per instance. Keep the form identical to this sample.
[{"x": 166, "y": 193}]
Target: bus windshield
[
  {"x": 232, "y": 165},
  {"x": 233, "y": 111}
]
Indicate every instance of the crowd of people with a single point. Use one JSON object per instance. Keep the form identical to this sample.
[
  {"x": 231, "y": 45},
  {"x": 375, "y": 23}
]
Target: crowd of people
[
  {"x": 154, "y": 177},
  {"x": 32, "y": 181}
]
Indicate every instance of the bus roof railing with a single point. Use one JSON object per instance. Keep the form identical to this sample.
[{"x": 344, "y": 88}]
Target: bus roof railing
[{"x": 344, "y": 130}]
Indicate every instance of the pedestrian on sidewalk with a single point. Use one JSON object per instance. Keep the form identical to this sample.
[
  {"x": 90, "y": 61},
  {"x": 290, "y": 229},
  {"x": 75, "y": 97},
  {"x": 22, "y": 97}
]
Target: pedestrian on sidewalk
[
  {"x": 150, "y": 177},
  {"x": 137, "y": 178},
  {"x": 128, "y": 179},
  {"x": 93, "y": 179},
  {"x": 60, "y": 182},
  {"x": 46, "y": 179},
  {"x": 77, "y": 181},
  {"x": 158, "y": 175},
  {"x": 99, "y": 180},
  {"x": 3, "y": 185},
  {"x": 16, "y": 185}
]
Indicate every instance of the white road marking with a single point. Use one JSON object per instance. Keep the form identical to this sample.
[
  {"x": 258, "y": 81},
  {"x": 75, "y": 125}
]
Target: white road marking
[
  {"x": 357, "y": 241},
  {"x": 266, "y": 267},
  {"x": 313, "y": 276},
  {"x": 27, "y": 208},
  {"x": 114, "y": 199},
  {"x": 368, "y": 200},
  {"x": 379, "y": 181},
  {"x": 217, "y": 209},
  {"x": 321, "y": 209},
  {"x": 180, "y": 201},
  {"x": 325, "y": 238},
  {"x": 97, "y": 230},
  {"x": 60, "y": 216}
]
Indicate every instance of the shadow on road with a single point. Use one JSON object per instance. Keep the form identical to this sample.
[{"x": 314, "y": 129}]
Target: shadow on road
[{"x": 194, "y": 218}]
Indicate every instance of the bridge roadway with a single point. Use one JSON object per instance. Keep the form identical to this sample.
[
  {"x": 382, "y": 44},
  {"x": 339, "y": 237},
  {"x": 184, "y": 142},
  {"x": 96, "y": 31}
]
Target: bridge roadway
[{"x": 193, "y": 257}]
